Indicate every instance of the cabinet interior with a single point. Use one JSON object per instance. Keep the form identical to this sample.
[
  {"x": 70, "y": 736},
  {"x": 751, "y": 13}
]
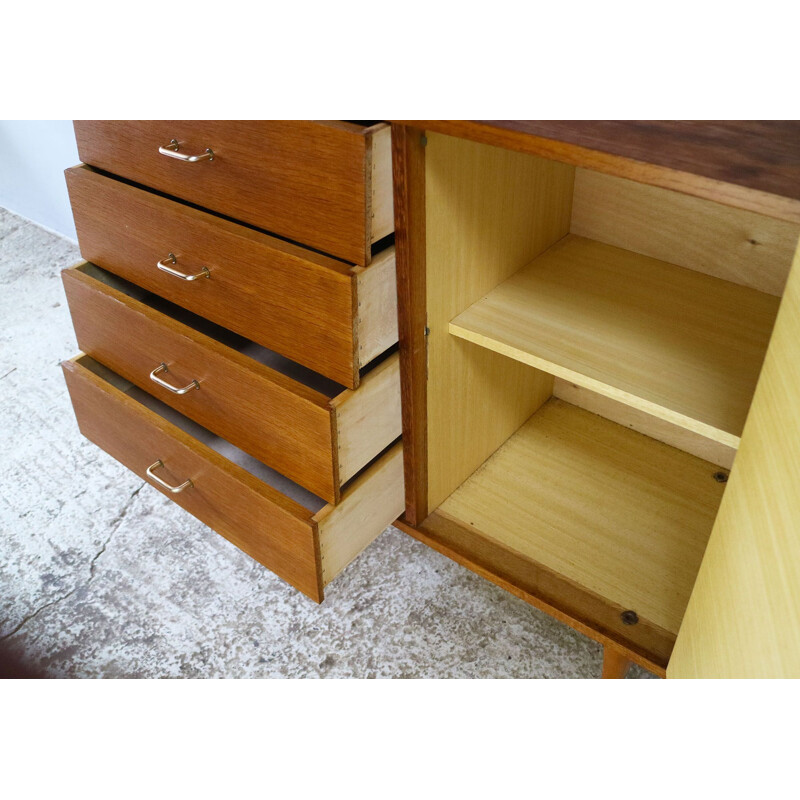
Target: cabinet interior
[{"x": 593, "y": 348}]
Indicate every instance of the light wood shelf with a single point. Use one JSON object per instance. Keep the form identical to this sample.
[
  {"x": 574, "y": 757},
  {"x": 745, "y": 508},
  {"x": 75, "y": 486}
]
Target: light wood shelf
[
  {"x": 680, "y": 345},
  {"x": 616, "y": 512}
]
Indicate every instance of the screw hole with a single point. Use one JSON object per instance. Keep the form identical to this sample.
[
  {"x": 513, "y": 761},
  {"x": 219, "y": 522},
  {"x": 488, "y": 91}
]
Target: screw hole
[
  {"x": 629, "y": 617},
  {"x": 721, "y": 477}
]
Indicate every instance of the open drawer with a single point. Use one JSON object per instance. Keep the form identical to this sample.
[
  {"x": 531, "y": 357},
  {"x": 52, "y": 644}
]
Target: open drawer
[
  {"x": 305, "y": 426},
  {"x": 287, "y": 529},
  {"x": 325, "y": 184},
  {"x": 325, "y": 314}
]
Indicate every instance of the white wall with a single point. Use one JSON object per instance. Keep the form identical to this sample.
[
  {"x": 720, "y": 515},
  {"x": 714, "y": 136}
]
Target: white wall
[{"x": 33, "y": 157}]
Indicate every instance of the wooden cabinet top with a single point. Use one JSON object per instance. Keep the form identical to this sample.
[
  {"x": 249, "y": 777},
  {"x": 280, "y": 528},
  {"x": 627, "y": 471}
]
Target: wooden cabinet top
[{"x": 749, "y": 164}]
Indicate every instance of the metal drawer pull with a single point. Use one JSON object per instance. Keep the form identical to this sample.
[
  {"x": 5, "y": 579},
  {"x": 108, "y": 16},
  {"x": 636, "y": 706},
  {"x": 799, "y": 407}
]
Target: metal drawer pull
[
  {"x": 172, "y": 259},
  {"x": 164, "y": 484},
  {"x": 173, "y": 151},
  {"x": 162, "y": 367}
]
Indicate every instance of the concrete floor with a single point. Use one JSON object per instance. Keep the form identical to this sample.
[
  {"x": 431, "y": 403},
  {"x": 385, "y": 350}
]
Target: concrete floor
[{"x": 103, "y": 576}]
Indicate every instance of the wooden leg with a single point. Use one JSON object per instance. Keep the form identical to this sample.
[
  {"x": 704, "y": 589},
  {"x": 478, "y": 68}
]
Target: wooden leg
[{"x": 615, "y": 664}]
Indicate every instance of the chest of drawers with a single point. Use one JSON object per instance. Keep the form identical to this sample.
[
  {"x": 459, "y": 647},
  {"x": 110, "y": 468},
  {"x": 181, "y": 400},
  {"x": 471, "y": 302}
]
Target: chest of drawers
[{"x": 238, "y": 328}]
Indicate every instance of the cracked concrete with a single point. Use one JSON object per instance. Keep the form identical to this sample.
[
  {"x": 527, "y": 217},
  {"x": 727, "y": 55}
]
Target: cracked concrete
[{"x": 103, "y": 576}]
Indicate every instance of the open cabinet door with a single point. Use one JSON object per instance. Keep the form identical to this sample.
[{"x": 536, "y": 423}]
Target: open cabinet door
[{"x": 743, "y": 618}]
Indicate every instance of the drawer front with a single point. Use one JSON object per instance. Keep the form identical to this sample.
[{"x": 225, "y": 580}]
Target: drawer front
[
  {"x": 273, "y": 529},
  {"x": 307, "y": 181},
  {"x": 290, "y": 300},
  {"x": 268, "y": 415}
]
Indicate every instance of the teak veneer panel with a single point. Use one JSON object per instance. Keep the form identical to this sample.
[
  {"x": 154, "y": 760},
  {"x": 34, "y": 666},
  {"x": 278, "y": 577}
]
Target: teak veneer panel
[
  {"x": 683, "y": 346},
  {"x": 277, "y": 420},
  {"x": 271, "y": 528},
  {"x": 750, "y": 165},
  {"x": 289, "y": 299},
  {"x": 617, "y": 513},
  {"x": 489, "y": 212},
  {"x": 302, "y": 433},
  {"x": 408, "y": 170},
  {"x": 735, "y": 245},
  {"x": 743, "y": 619},
  {"x": 306, "y": 181},
  {"x": 307, "y": 548}
]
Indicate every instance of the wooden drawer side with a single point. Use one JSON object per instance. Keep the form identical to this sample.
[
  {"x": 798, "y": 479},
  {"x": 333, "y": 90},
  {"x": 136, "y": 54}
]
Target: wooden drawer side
[
  {"x": 371, "y": 503},
  {"x": 369, "y": 418}
]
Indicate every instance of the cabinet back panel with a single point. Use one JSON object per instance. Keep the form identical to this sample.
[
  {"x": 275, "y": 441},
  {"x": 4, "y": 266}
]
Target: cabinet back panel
[
  {"x": 489, "y": 211},
  {"x": 638, "y": 420},
  {"x": 729, "y": 243}
]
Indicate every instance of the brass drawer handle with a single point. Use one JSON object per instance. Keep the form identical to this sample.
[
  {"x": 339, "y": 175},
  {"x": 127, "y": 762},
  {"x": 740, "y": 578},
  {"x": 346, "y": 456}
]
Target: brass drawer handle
[
  {"x": 162, "y": 367},
  {"x": 173, "y": 151},
  {"x": 164, "y": 484},
  {"x": 172, "y": 258}
]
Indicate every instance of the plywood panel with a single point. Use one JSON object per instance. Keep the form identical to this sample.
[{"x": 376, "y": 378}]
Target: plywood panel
[
  {"x": 743, "y": 620},
  {"x": 617, "y": 513},
  {"x": 381, "y": 208},
  {"x": 368, "y": 418},
  {"x": 376, "y": 307},
  {"x": 740, "y": 246},
  {"x": 641, "y": 421},
  {"x": 371, "y": 503},
  {"x": 675, "y": 343},
  {"x": 304, "y": 180},
  {"x": 488, "y": 212}
]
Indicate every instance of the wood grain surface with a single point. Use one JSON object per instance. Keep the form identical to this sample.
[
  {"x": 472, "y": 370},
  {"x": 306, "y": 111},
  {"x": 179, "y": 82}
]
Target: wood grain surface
[
  {"x": 683, "y": 346},
  {"x": 306, "y": 181},
  {"x": 642, "y": 422},
  {"x": 368, "y": 419},
  {"x": 620, "y": 514},
  {"x": 271, "y": 528},
  {"x": 302, "y": 433},
  {"x": 743, "y": 619},
  {"x": 284, "y": 297},
  {"x": 586, "y": 612},
  {"x": 488, "y": 213},
  {"x": 274, "y": 418},
  {"x": 729, "y": 243},
  {"x": 371, "y": 502},
  {"x": 408, "y": 165},
  {"x": 750, "y": 165}
]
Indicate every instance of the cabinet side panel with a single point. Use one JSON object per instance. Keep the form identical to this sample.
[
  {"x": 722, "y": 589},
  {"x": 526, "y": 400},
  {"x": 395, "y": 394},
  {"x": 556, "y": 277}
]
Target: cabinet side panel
[
  {"x": 743, "y": 618},
  {"x": 489, "y": 211}
]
